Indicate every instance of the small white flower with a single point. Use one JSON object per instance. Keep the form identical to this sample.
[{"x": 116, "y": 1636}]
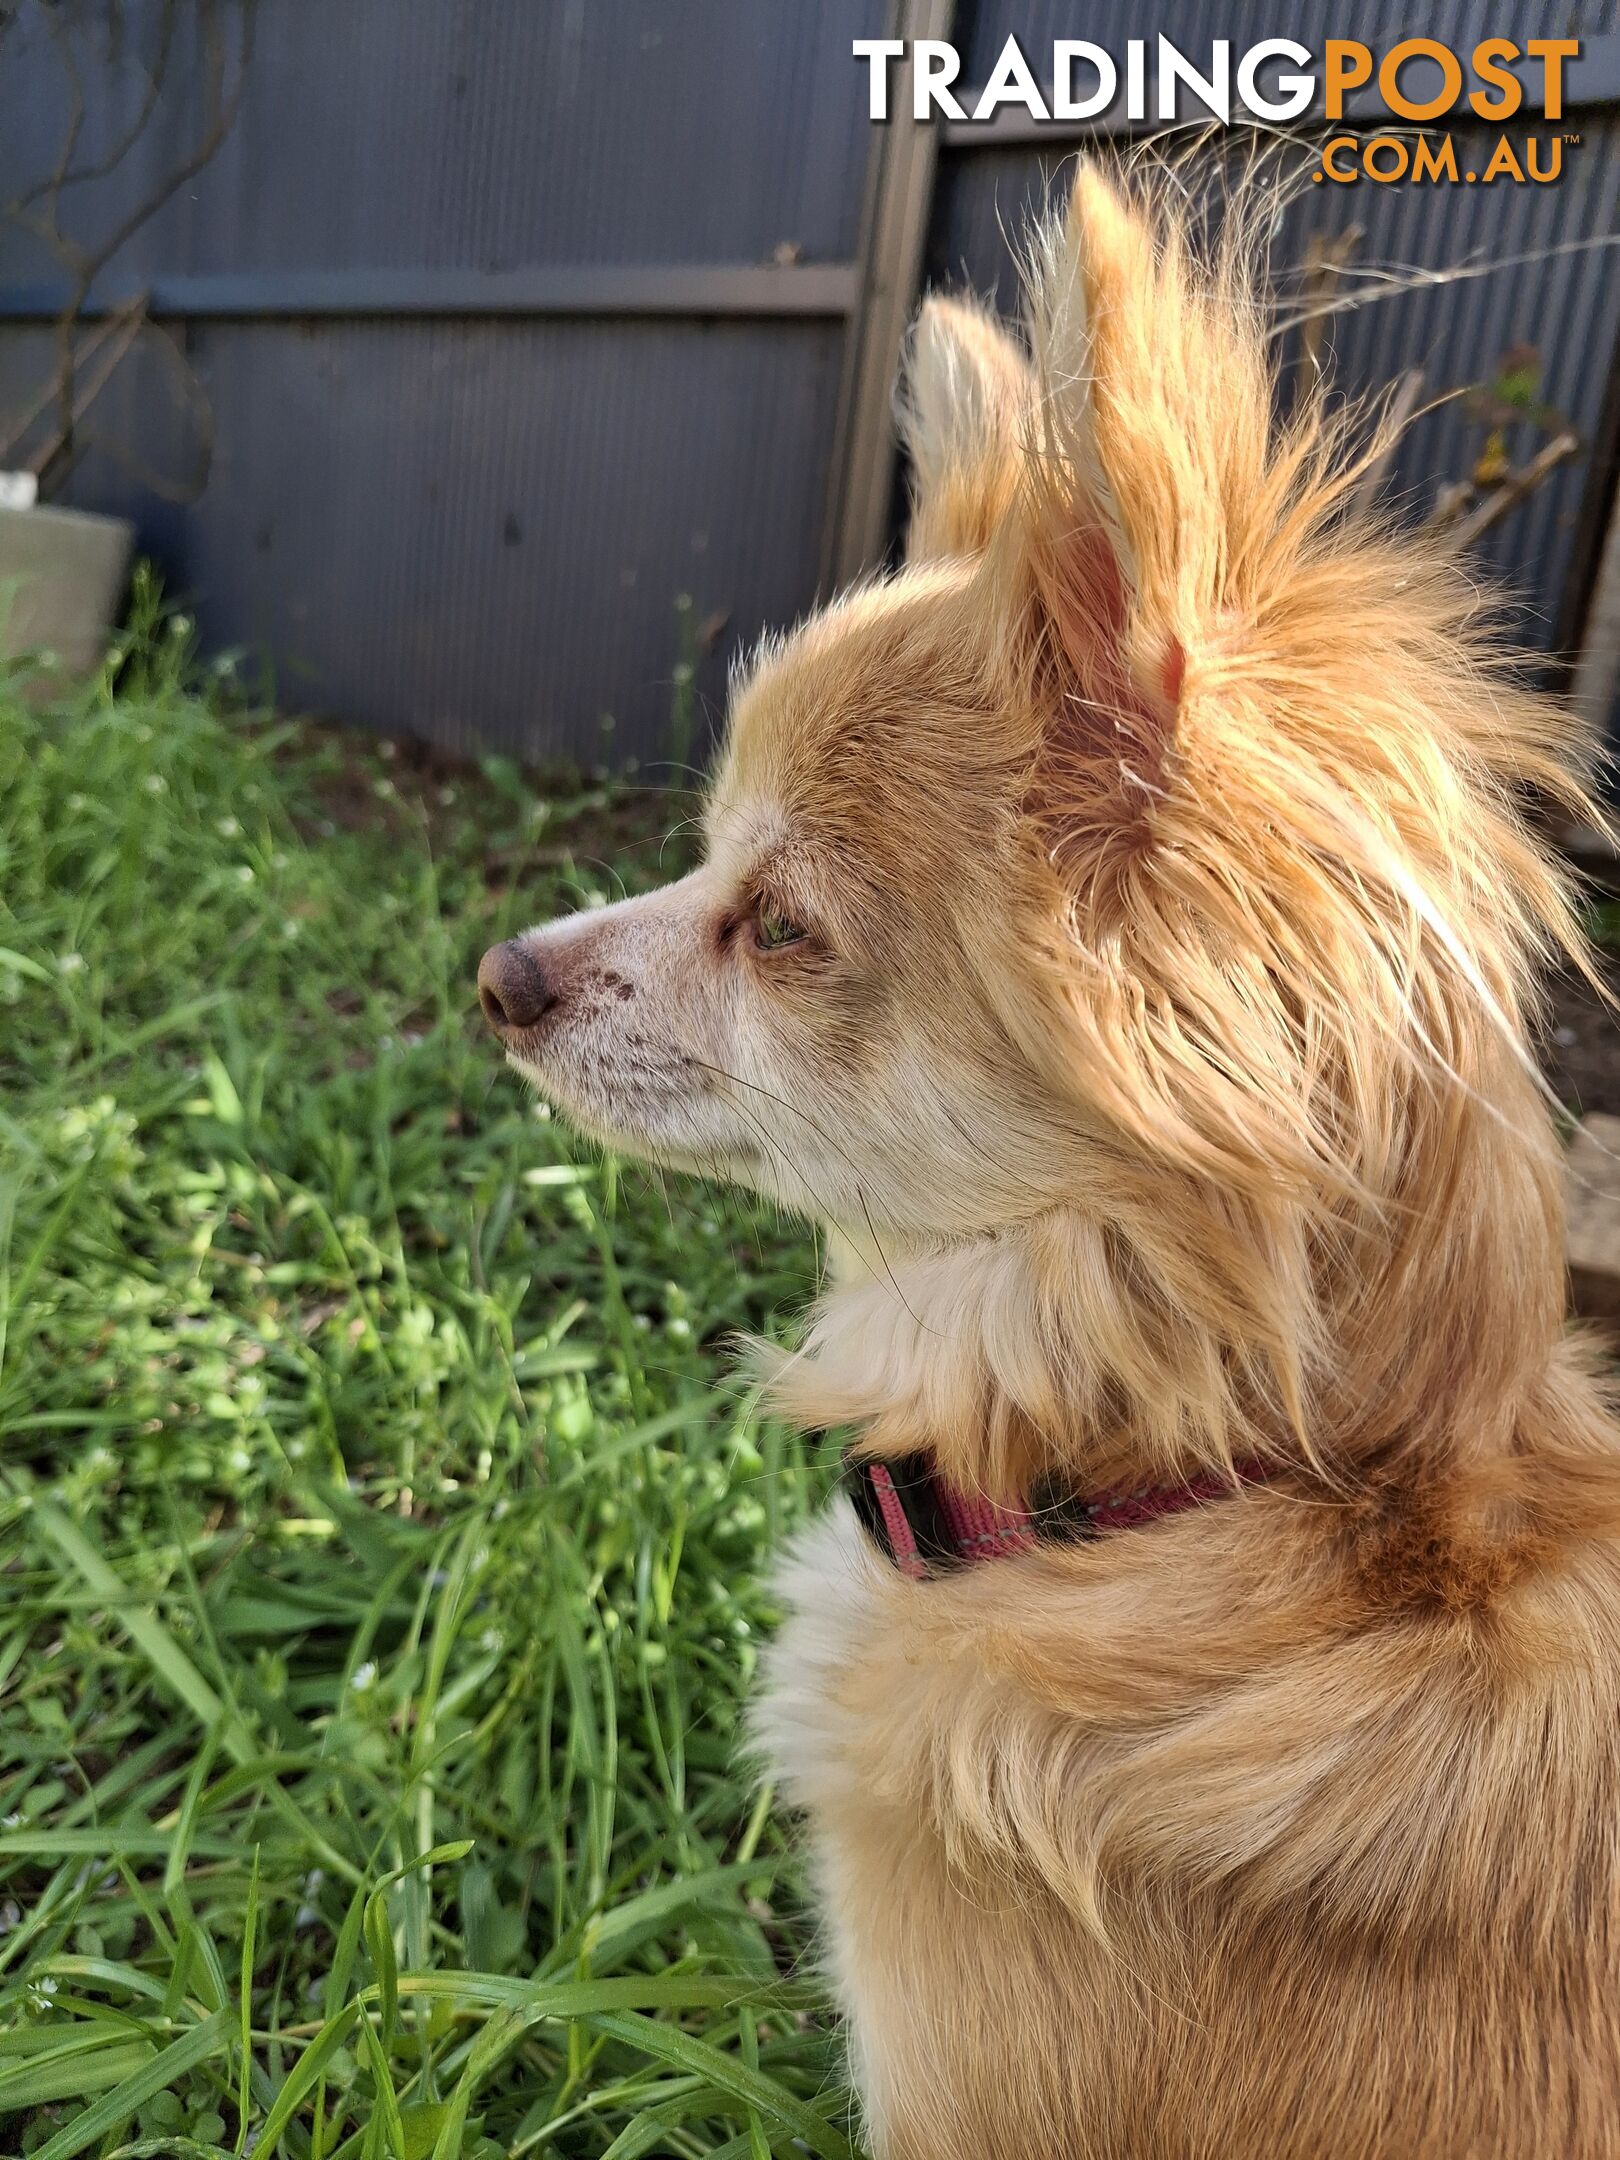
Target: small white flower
[
  {"x": 13, "y": 1821},
  {"x": 244, "y": 873},
  {"x": 47, "y": 1986},
  {"x": 365, "y": 1676},
  {"x": 291, "y": 929},
  {"x": 78, "y": 802},
  {"x": 309, "y": 1912},
  {"x": 69, "y": 963},
  {"x": 155, "y": 784},
  {"x": 179, "y": 626},
  {"x": 228, "y": 827}
]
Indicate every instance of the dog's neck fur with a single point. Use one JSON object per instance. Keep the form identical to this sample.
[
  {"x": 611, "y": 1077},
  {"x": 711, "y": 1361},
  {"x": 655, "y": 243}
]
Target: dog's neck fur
[{"x": 1060, "y": 1346}]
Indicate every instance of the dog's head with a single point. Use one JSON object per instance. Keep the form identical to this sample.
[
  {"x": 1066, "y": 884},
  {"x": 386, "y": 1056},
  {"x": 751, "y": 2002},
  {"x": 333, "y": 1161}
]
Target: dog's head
[
  {"x": 1140, "y": 859},
  {"x": 826, "y": 1007}
]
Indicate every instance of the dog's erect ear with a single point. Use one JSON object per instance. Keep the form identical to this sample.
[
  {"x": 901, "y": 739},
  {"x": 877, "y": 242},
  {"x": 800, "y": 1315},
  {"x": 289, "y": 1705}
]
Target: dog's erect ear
[
  {"x": 1150, "y": 447},
  {"x": 966, "y": 391}
]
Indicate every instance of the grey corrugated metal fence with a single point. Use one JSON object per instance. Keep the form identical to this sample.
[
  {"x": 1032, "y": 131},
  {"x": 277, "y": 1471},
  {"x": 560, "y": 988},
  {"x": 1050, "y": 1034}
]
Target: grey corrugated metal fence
[
  {"x": 1544, "y": 286},
  {"x": 517, "y": 320},
  {"x": 520, "y": 319}
]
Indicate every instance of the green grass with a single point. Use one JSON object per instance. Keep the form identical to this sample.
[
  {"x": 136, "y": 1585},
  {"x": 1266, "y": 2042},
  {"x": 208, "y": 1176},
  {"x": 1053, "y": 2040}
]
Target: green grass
[{"x": 381, "y": 1541}]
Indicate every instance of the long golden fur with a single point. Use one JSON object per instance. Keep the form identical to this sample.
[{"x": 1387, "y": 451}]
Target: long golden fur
[{"x": 1120, "y": 928}]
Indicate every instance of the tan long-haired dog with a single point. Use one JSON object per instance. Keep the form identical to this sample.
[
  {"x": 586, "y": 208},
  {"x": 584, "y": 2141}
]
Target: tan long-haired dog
[{"x": 1119, "y": 928}]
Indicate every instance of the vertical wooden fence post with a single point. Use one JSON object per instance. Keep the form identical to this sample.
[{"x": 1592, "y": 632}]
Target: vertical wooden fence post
[{"x": 891, "y": 269}]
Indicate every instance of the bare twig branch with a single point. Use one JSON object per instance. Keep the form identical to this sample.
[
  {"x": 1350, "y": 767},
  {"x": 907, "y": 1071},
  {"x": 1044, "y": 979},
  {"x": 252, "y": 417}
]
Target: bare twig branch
[
  {"x": 164, "y": 346},
  {"x": 1412, "y": 277},
  {"x": 1395, "y": 423},
  {"x": 129, "y": 321},
  {"x": 1515, "y": 488},
  {"x": 61, "y": 39},
  {"x": 38, "y": 209},
  {"x": 95, "y": 338},
  {"x": 156, "y": 75},
  {"x": 225, "y": 107},
  {"x": 1451, "y": 499},
  {"x": 90, "y": 262},
  {"x": 1324, "y": 262}
]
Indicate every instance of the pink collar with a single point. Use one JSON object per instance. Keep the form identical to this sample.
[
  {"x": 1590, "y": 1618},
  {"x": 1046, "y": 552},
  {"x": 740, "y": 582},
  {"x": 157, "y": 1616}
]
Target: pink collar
[{"x": 927, "y": 1527}]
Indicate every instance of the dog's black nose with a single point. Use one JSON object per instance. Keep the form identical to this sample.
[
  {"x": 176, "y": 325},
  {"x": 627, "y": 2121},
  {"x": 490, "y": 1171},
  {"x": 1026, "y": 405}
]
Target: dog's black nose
[{"x": 512, "y": 987}]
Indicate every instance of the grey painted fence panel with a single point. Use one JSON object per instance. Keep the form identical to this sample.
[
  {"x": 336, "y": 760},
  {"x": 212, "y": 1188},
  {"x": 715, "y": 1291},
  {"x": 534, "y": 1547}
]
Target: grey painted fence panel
[
  {"x": 984, "y": 25},
  {"x": 521, "y": 317},
  {"x": 494, "y": 134},
  {"x": 518, "y": 319},
  {"x": 479, "y": 530}
]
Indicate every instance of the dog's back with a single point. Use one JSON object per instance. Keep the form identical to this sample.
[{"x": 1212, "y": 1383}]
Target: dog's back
[{"x": 1280, "y": 1829}]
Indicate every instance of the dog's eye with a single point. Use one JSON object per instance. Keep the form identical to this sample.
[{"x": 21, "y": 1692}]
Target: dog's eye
[{"x": 773, "y": 930}]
